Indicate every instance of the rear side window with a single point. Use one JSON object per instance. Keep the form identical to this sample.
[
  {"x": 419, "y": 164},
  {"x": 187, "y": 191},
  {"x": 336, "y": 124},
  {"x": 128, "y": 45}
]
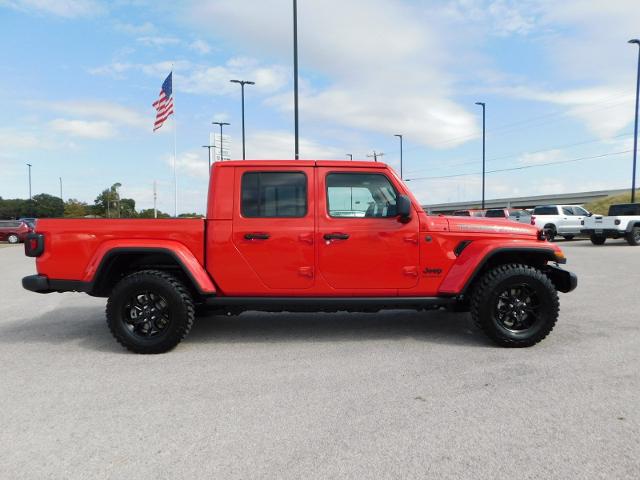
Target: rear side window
[
  {"x": 629, "y": 209},
  {"x": 495, "y": 214},
  {"x": 274, "y": 194},
  {"x": 546, "y": 211},
  {"x": 360, "y": 195},
  {"x": 9, "y": 224}
]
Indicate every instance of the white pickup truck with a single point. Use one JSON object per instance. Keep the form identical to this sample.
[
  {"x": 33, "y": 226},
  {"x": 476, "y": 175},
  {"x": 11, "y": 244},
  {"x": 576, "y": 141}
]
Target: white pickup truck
[{"x": 623, "y": 221}]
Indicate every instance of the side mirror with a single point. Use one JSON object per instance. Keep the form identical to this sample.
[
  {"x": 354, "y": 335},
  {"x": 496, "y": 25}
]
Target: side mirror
[{"x": 403, "y": 208}]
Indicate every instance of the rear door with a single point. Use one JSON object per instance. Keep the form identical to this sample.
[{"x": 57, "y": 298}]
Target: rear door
[
  {"x": 361, "y": 242},
  {"x": 273, "y": 224}
]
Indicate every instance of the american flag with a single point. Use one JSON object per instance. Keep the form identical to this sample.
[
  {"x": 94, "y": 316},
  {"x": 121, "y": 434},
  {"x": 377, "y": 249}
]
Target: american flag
[{"x": 164, "y": 104}]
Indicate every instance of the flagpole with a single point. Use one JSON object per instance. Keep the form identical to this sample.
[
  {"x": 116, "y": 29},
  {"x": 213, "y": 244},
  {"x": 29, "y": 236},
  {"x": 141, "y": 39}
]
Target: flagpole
[{"x": 175, "y": 150}]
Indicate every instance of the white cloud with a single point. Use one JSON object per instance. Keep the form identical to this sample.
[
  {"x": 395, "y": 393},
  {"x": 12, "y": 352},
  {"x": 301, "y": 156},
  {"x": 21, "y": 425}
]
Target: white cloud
[
  {"x": 84, "y": 129},
  {"x": 61, "y": 8},
  {"x": 191, "y": 163},
  {"x": 538, "y": 158},
  {"x": 12, "y": 139},
  {"x": 157, "y": 41},
  {"x": 387, "y": 70},
  {"x": 145, "y": 28},
  {"x": 200, "y": 46},
  {"x": 112, "y": 112},
  {"x": 275, "y": 145}
]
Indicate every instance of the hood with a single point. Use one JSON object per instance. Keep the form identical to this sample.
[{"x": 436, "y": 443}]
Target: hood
[{"x": 491, "y": 225}]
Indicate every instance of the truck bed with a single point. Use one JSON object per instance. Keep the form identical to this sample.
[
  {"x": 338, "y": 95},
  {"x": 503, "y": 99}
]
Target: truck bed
[{"x": 72, "y": 246}]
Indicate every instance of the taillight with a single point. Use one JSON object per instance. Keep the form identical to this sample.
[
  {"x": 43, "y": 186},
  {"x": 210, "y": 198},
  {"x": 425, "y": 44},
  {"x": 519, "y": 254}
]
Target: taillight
[
  {"x": 34, "y": 245},
  {"x": 533, "y": 220}
]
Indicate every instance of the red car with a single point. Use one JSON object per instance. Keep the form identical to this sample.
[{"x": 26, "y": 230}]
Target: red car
[
  {"x": 302, "y": 235},
  {"x": 13, "y": 231}
]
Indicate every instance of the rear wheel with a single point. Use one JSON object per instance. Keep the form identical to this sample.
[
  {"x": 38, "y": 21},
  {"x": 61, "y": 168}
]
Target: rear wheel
[
  {"x": 13, "y": 238},
  {"x": 515, "y": 305},
  {"x": 150, "y": 312},
  {"x": 598, "y": 239},
  {"x": 633, "y": 237}
]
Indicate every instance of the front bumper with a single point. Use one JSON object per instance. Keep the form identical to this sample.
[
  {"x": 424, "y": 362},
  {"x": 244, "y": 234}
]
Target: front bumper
[{"x": 563, "y": 280}]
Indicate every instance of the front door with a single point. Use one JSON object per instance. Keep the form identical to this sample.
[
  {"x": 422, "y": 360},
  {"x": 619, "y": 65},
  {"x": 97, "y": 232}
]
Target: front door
[
  {"x": 362, "y": 244},
  {"x": 273, "y": 225}
]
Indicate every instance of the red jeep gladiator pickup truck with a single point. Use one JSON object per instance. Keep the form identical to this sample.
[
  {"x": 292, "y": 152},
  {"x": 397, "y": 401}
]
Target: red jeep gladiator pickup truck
[{"x": 303, "y": 236}]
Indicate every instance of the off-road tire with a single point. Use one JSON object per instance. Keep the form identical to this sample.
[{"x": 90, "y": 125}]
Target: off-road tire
[
  {"x": 633, "y": 237},
  {"x": 598, "y": 239},
  {"x": 568, "y": 237},
  {"x": 485, "y": 299},
  {"x": 13, "y": 238},
  {"x": 550, "y": 232},
  {"x": 179, "y": 309}
]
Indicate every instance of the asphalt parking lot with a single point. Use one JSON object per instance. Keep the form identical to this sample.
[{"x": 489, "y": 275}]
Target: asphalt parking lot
[{"x": 390, "y": 395}]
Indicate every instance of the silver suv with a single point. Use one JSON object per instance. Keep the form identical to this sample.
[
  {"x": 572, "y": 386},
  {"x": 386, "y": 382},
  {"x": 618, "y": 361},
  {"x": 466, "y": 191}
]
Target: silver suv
[{"x": 563, "y": 220}]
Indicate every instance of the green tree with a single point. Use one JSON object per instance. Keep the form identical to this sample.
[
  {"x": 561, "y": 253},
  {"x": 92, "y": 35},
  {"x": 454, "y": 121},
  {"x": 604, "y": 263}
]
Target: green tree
[
  {"x": 13, "y": 208},
  {"x": 106, "y": 203},
  {"x": 148, "y": 213},
  {"x": 47, "y": 206},
  {"x": 75, "y": 208}
]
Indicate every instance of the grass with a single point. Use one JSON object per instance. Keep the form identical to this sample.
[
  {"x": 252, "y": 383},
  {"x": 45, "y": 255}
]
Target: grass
[{"x": 601, "y": 207}]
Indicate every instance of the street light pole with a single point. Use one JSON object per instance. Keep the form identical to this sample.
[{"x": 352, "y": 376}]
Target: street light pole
[
  {"x": 350, "y": 156},
  {"x": 220, "y": 147},
  {"x": 29, "y": 165},
  {"x": 61, "y": 189},
  {"x": 635, "y": 130},
  {"x": 209, "y": 147},
  {"x": 295, "y": 78},
  {"x": 400, "y": 137},
  {"x": 242, "y": 84},
  {"x": 483, "y": 146}
]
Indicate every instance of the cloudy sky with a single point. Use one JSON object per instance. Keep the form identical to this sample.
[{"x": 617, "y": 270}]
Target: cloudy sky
[{"x": 78, "y": 78}]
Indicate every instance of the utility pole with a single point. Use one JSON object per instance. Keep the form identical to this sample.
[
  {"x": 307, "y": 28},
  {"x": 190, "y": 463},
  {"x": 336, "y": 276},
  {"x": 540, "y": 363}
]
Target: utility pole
[
  {"x": 375, "y": 155},
  {"x": 61, "y": 189},
  {"x": 635, "y": 130},
  {"x": 295, "y": 78},
  {"x": 483, "y": 146},
  {"x": 242, "y": 84},
  {"x": 155, "y": 200},
  {"x": 350, "y": 156},
  {"x": 209, "y": 147},
  {"x": 400, "y": 137},
  {"x": 29, "y": 165},
  {"x": 220, "y": 147}
]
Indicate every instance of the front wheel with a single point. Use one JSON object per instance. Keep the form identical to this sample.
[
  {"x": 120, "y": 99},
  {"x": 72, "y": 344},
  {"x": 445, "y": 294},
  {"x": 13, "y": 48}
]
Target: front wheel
[
  {"x": 150, "y": 311},
  {"x": 598, "y": 239},
  {"x": 633, "y": 237},
  {"x": 515, "y": 305},
  {"x": 13, "y": 238}
]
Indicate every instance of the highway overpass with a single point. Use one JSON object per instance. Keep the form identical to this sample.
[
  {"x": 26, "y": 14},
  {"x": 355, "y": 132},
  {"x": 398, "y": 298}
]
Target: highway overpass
[{"x": 579, "y": 198}]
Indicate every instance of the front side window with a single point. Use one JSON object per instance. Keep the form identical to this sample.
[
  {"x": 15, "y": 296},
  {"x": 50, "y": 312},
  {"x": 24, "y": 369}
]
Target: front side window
[
  {"x": 580, "y": 211},
  {"x": 360, "y": 195},
  {"x": 567, "y": 211},
  {"x": 274, "y": 194}
]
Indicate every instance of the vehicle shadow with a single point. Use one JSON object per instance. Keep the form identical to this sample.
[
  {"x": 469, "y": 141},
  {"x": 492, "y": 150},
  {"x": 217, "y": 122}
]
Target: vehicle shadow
[
  {"x": 86, "y": 327},
  {"x": 433, "y": 327}
]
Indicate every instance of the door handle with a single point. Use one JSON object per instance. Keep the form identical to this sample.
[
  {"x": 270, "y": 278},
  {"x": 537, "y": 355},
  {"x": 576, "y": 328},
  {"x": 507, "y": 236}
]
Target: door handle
[
  {"x": 336, "y": 236},
  {"x": 256, "y": 236}
]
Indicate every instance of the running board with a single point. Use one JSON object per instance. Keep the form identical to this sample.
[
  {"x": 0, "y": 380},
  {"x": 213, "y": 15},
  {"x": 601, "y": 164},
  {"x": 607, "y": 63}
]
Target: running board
[{"x": 312, "y": 304}]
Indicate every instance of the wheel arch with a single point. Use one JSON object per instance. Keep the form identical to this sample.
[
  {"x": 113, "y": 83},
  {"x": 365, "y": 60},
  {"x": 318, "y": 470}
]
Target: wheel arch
[
  {"x": 534, "y": 256},
  {"x": 118, "y": 262}
]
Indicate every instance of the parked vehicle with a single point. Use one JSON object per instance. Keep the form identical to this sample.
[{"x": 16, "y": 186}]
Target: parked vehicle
[
  {"x": 276, "y": 238},
  {"x": 623, "y": 221},
  {"x": 29, "y": 221},
  {"x": 468, "y": 213},
  {"x": 512, "y": 214},
  {"x": 13, "y": 231},
  {"x": 563, "y": 220}
]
